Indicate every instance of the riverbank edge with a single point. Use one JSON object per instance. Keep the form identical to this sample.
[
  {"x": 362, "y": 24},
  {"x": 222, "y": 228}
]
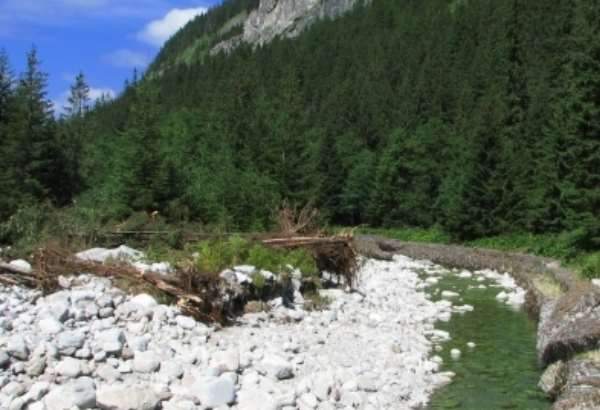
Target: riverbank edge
[{"x": 567, "y": 325}]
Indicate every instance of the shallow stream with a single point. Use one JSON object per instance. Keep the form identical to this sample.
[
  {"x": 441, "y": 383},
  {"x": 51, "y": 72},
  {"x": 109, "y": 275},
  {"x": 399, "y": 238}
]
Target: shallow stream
[{"x": 501, "y": 371}]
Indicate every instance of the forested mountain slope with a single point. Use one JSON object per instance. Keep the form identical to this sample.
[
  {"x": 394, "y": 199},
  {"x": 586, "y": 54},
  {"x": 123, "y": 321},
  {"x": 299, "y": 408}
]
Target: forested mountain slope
[{"x": 478, "y": 116}]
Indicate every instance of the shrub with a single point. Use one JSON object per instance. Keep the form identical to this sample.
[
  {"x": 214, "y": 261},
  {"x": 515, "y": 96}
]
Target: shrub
[
  {"x": 216, "y": 255},
  {"x": 265, "y": 258},
  {"x": 591, "y": 266},
  {"x": 303, "y": 260}
]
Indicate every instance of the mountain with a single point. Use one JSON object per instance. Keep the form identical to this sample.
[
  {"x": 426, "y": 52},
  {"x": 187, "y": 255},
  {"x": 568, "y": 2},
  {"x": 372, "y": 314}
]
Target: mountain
[
  {"x": 477, "y": 117},
  {"x": 251, "y": 22}
]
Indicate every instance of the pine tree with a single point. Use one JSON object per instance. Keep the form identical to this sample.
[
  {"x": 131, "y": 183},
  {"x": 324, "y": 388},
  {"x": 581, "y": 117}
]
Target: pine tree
[
  {"x": 35, "y": 153},
  {"x": 79, "y": 98},
  {"x": 6, "y": 85}
]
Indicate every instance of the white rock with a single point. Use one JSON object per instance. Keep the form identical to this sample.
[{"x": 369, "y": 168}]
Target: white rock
[
  {"x": 448, "y": 294},
  {"x": 111, "y": 341},
  {"x": 277, "y": 367},
  {"x": 69, "y": 341},
  {"x": 471, "y": 345},
  {"x": 50, "y": 325},
  {"x": 186, "y": 322},
  {"x": 226, "y": 361},
  {"x": 214, "y": 391},
  {"x": 146, "y": 362},
  {"x": 21, "y": 265},
  {"x": 80, "y": 392},
  {"x": 69, "y": 367},
  {"x": 245, "y": 269},
  {"x": 455, "y": 354},
  {"x": 145, "y": 300},
  {"x": 502, "y": 296},
  {"x": 17, "y": 348},
  {"x": 123, "y": 397},
  {"x": 256, "y": 399}
]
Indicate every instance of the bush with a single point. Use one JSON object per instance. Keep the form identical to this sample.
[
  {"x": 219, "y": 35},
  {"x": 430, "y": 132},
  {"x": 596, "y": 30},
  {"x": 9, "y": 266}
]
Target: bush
[
  {"x": 265, "y": 258},
  {"x": 216, "y": 255},
  {"x": 591, "y": 266},
  {"x": 25, "y": 226},
  {"x": 303, "y": 260}
]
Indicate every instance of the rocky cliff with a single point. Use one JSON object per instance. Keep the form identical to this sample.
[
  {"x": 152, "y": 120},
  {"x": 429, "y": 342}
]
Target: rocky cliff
[{"x": 283, "y": 18}]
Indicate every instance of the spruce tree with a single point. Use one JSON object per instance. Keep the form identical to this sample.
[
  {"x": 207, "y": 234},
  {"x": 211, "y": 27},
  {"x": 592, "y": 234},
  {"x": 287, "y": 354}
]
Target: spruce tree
[{"x": 79, "y": 98}]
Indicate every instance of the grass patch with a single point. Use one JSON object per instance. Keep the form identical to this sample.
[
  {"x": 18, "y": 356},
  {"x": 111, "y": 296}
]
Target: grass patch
[{"x": 432, "y": 235}]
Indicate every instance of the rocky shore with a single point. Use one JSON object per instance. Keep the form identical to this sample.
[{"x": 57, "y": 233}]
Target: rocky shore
[{"x": 91, "y": 346}]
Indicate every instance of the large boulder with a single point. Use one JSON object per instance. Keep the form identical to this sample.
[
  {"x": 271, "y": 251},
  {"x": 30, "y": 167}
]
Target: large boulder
[{"x": 572, "y": 325}]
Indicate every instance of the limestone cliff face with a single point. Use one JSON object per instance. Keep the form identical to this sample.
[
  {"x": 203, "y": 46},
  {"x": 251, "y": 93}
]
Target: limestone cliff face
[{"x": 284, "y": 18}]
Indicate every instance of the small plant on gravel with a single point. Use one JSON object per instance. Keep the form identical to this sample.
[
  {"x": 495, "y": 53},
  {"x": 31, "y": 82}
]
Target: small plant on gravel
[
  {"x": 315, "y": 301},
  {"x": 259, "y": 281}
]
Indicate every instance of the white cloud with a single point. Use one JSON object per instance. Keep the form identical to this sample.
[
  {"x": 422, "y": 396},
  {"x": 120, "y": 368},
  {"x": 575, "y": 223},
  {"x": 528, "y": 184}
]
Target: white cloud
[
  {"x": 127, "y": 59},
  {"x": 159, "y": 31}
]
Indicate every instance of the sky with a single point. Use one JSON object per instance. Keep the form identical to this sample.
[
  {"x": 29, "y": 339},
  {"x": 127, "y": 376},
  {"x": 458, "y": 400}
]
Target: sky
[{"x": 105, "y": 39}]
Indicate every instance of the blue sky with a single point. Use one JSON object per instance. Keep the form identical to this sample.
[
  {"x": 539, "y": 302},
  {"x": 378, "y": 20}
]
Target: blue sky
[{"x": 105, "y": 39}]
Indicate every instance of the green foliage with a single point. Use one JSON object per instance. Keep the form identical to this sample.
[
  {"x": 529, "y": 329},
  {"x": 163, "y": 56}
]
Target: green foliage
[
  {"x": 433, "y": 235},
  {"x": 591, "y": 266},
  {"x": 302, "y": 259},
  {"x": 259, "y": 281},
  {"x": 480, "y": 118},
  {"x": 265, "y": 258},
  {"x": 216, "y": 255},
  {"x": 558, "y": 246},
  {"x": 25, "y": 226}
]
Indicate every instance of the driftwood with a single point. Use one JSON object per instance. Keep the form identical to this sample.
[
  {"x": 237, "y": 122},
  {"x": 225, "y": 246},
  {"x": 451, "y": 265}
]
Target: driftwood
[
  {"x": 206, "y": 297},
  {"x": 209, "y": 300},
  {"x": 12, "y": 275}
]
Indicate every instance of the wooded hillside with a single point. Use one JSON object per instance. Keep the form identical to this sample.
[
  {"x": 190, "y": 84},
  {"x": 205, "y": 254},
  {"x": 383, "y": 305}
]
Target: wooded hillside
[{"x": 481, "y": 117}]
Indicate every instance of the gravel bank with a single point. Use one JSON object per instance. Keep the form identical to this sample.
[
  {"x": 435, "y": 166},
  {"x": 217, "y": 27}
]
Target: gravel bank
[{"x": 92, "y": 346}]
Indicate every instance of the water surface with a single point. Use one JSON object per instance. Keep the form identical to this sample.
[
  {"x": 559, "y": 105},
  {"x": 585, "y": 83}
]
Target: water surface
[{"x": 501, "y": 372}]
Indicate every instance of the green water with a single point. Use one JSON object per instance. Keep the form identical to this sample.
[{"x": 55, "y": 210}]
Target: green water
[{"x": 501, "y": 372}]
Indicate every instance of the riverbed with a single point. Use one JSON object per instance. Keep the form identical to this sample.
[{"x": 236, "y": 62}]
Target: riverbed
[{"x": 501, "y": 370}]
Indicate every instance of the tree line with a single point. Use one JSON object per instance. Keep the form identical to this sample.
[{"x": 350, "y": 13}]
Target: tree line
[{"x": 480, "y": 118}]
